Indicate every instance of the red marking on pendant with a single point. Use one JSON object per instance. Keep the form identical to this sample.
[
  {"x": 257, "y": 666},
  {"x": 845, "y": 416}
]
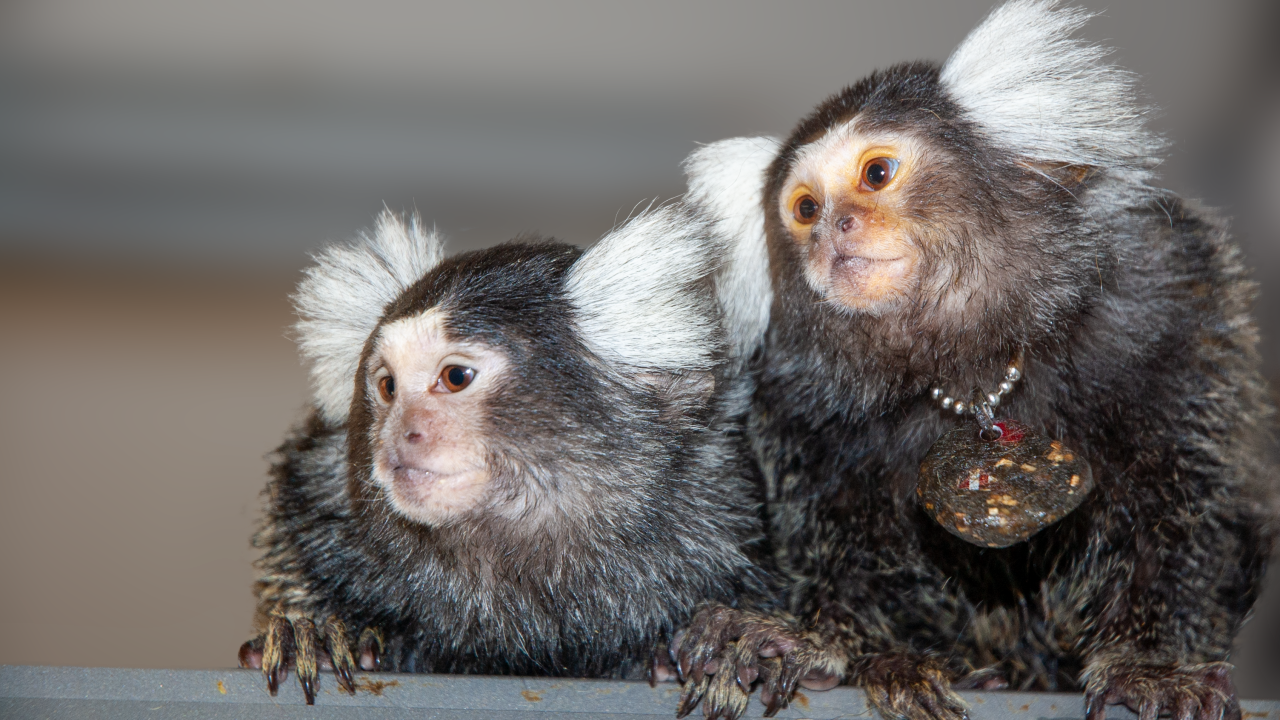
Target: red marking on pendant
[{"x": 1010, "y": 433}]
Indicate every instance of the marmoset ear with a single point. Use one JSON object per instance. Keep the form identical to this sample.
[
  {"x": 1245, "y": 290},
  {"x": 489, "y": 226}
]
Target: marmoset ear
[
  {"x": 1046, "y": 96},
  {"x": 643, "y": 296},
  {"x": 344, "y": 295},
  {"x": 726, "y": 184}
]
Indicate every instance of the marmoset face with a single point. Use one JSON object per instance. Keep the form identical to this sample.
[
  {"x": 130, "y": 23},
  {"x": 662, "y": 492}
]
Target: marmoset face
[
  {"x": 429, "y": 394},
  {"x": 845, "y": 203}
]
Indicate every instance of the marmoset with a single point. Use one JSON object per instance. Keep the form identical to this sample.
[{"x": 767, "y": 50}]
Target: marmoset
[
  {"x": 987, "y": 234},
  {"x": 521, "y": 460}
]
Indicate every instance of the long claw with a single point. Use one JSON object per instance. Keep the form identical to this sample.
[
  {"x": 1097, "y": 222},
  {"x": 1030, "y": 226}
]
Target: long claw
[
  {"x": 774, "y": 704},
  {"x": 685, "y": 667},
  {"x": 725, "y": 652},
  {"x": 723, "y": 698},
  {"x": 788, "y": 676},
  {"x": 746, "y": 675},
  {"x": 339, "y": 646},
  {"x": 938, "y": 704},
  {"x": 1094, "y": 708},
  {"x": 772, "y": 692},
  {"x": 276, "y": 651},
  {"x": 692, "y": 695},
  {"x": 305, "y": 640}
]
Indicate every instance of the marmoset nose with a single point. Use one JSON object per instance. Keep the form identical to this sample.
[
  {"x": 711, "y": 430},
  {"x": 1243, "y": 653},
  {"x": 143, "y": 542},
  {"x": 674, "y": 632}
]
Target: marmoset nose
[
  {"x": 415, "y": 428},
  {"x": 846, "y": 223},
  {"x": 415, "y": 447}
]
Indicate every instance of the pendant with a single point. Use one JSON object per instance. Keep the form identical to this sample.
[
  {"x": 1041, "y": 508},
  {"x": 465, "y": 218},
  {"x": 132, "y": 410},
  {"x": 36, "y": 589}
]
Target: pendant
[{"x": 999, "y": 492}]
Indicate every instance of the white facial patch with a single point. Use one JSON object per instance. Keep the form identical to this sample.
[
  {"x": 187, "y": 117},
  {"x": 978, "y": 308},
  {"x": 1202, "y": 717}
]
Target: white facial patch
[
  {"x": 833, "y": 155},
  {"x": 857, "y": 251},
  {"x": 833, "y": 163},
  {"x": 409, "y": 347},
  {"x": 428, "y": 442}
]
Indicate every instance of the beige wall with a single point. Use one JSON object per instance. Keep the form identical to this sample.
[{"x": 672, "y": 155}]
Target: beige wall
[{"x": 137, "y": 410}]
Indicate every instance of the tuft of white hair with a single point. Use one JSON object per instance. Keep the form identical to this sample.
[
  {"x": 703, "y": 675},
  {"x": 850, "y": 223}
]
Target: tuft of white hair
[
  {"x": 726, "y": 184},
  {"x": 1046, "y": 95},
  {"x": 345, "y": 293},
  {"x": 638, "y": 293}
]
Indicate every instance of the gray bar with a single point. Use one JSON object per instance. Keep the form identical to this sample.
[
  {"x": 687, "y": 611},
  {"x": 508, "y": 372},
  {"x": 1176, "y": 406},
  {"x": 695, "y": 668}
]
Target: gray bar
[{"x": 110, "y": 693}]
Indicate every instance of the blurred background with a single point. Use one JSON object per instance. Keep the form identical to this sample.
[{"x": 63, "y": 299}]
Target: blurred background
[{"x": 165, "y": 167}]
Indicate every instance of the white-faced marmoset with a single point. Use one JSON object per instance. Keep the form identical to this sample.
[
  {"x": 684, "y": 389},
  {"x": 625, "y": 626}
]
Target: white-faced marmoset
[
  {"x": 987, "y": 235},
  {"x": 521, "y": 460}
]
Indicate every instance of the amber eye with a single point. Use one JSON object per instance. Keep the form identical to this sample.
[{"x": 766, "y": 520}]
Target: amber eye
[
  {"x": 805, "y": 210},
  {"x": 387, "y": 388},
  {"x": 878, "y": 172},
  {"x": 456, "y": 378}
]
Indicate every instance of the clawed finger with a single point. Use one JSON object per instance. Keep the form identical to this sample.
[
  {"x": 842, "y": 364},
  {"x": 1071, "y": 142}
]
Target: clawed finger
[
  {"x": 724, "y": 700},
  {"x": 771, "y": 692},
  {"x": 305, "y": 640},
  {"x": 339, "y": 648},
  {"x": 692, "y": 695},
  {"x": 277, "y": 650}
]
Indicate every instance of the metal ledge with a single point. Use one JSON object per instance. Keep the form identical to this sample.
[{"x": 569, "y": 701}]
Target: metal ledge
[{"x": 109, "y": 693}]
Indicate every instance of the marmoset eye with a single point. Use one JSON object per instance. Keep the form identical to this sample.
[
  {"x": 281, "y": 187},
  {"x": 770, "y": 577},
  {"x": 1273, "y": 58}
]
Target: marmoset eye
[
  {"x": 878, "y": 172},
  {"x": 806, "y": 210},
  {"x": 456, "y": 378},
  {"x": 387, "y": 388}
]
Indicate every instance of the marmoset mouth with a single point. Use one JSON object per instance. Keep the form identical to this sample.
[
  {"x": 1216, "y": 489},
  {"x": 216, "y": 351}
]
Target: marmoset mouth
[
  {"x": 418, "y": 478},
  {"x": 860, "y": 282},
  {"x": 859, "y": 263},
  {"x": 430, "y": 496}
]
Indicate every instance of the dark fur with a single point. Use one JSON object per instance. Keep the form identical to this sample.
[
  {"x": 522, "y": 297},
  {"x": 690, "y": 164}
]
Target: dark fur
[
  {"x": 1133, "y": 306},
  {"x": 672, "y": 521}
]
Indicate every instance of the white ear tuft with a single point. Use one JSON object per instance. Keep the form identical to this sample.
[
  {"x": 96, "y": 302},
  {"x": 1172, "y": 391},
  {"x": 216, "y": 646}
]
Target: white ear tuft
[
  {"x": 344, "y": 294},
  {"x": 642, "y": 305},
  {"x": 1047, "y": 96},
  {"x": 726, "y": 182}
]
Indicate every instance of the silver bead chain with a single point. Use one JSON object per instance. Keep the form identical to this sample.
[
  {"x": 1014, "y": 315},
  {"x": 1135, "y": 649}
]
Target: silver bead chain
[{"x": 1012, "y": 375}]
